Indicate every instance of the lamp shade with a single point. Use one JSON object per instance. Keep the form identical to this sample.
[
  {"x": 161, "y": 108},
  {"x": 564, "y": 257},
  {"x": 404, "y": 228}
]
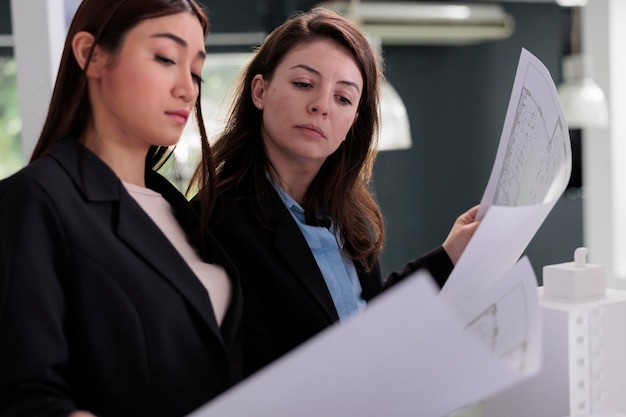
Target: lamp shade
[
  {"x": 395, "y": 130},
  {"x": 583, "y": 101}
]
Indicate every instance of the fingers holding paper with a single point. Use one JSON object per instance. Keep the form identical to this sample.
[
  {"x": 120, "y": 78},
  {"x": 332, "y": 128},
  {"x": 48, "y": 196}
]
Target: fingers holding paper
[{"x": 460, "y": 234}]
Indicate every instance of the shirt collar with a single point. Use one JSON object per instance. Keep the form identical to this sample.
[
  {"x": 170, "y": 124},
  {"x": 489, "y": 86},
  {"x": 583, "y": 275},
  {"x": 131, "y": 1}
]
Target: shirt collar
[
  {"x": 297, "y": 210},
  {"x": 292, "y": 205}
]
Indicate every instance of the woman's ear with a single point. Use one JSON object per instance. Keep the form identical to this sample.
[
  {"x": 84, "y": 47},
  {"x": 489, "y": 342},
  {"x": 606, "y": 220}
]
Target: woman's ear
[
  {"x": 82, "y": 44},
  {"x": 258, "y": 90}
]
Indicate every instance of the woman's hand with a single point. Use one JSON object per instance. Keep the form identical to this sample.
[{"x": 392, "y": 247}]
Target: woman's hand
[{"x": 462, "y": 231}]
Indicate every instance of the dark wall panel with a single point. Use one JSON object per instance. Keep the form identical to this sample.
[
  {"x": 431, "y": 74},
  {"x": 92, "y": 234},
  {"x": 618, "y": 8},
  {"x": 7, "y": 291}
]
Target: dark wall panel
[{"x": 5, "y": 17}]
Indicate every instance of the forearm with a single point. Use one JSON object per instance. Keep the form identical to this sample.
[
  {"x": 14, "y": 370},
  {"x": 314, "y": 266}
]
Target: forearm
[{"x": 436, "y": 262}]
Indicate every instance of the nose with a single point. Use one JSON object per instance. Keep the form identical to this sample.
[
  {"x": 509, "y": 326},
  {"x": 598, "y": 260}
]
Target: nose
[
  {"x": 321, "y": 104},
  {"x": 186, "y": 88}
]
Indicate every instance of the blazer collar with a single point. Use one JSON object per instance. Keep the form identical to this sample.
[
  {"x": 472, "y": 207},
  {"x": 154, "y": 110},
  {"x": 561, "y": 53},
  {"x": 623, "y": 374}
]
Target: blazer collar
[
  {"x": 98, "y": 183},
  {"x": 293, "y": 247},
  {"x": 95, "y": 180},
  {"x": 210, "y": 250},
  {"x": 296, "y": 253}
]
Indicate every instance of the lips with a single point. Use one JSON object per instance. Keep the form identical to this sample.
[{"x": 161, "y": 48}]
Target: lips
[
  {"x": 180, "y": 116},
  {"x": 312, "y": 130}
]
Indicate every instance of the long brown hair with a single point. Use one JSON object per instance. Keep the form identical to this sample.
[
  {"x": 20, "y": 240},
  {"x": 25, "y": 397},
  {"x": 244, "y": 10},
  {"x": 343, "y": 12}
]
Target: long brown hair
[
  {"x": 341, "y": 189},
  {"x": 70, "y": 111}
]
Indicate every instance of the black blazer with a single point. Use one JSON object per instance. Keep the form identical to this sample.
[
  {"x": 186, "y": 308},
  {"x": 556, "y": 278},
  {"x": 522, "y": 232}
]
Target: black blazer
[
  {"x": 98, "y": 311},
  {"x": 286, "y": 300}
]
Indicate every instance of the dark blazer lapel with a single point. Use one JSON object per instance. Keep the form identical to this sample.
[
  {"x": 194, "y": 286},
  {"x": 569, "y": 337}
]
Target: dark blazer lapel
[
  {"x": 296, "y": 253},
  {"x": 99, "y": 184},
  {"x": 143, "y": 236},
  {"x": 211, "y": 251},
  {"x": 231, "y": 323}
]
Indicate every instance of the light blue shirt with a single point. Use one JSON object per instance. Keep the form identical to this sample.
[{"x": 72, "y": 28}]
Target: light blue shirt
[{"x": 339, "y": 271}]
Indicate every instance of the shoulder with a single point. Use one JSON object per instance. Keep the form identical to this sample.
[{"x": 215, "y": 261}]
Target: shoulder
[
  {"x": 230, "y": 206},
  {"x": 70, "y": 168},
  {"x": 240, "y": 219},
  {"x": 41, "y": 177},
  {"x": 262, "y": 206},
  {"x": 31, "y": 202}
]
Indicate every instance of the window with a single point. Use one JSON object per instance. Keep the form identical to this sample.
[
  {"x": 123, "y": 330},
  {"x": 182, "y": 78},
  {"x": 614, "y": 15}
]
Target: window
[
  {"x": 10, "y": 123},
  {"x": 219, "y": 74}
]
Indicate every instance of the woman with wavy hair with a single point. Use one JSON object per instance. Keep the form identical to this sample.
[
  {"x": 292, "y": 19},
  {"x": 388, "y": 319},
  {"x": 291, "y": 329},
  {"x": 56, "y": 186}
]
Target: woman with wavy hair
[{"x": 294, "y": 207}]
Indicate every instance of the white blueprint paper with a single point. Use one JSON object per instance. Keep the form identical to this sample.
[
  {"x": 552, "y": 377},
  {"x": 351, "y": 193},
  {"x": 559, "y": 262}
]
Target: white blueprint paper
[
  {"x": 533, "y": 165},
  {"x": 407, "y": 355},
  {"x": 506, "y": 317}
]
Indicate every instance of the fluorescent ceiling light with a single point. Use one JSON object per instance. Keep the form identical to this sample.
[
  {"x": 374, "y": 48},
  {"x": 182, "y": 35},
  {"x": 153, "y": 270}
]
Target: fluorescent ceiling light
[
  {"x": 571, "y": 3},
  {"x": 427, "y": 23}
]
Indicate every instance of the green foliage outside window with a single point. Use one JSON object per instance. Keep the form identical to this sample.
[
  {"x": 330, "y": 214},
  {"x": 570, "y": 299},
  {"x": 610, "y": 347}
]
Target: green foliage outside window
[
  {"x": 10, "y": 122},
  {"x": 219, "y": 72}
]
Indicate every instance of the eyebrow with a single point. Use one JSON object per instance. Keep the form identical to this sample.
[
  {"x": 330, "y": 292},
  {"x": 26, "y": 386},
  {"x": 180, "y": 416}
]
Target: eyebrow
[
  {"x": 178, "y": 40},
  {"x": 314, "y": 71}
]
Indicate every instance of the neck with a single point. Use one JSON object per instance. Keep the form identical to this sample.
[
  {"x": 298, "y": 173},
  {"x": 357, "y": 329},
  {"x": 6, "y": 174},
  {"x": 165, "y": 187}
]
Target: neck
[
  {"x": 296, "y": 184},
  {"x": 127, "y": 162}
]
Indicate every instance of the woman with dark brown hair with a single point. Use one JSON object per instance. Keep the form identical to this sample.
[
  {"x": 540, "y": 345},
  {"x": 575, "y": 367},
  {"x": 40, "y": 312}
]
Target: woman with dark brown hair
[
  {"x": 113, "y": 300},
  {"x": 294, "y": 210}
]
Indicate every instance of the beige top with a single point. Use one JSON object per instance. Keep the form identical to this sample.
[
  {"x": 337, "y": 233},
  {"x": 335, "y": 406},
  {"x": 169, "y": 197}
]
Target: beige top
[{"x": 213, "y": 277}]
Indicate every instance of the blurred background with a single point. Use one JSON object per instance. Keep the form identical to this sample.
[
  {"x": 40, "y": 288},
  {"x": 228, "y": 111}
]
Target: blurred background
[{"x": 449, "y": 81}]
